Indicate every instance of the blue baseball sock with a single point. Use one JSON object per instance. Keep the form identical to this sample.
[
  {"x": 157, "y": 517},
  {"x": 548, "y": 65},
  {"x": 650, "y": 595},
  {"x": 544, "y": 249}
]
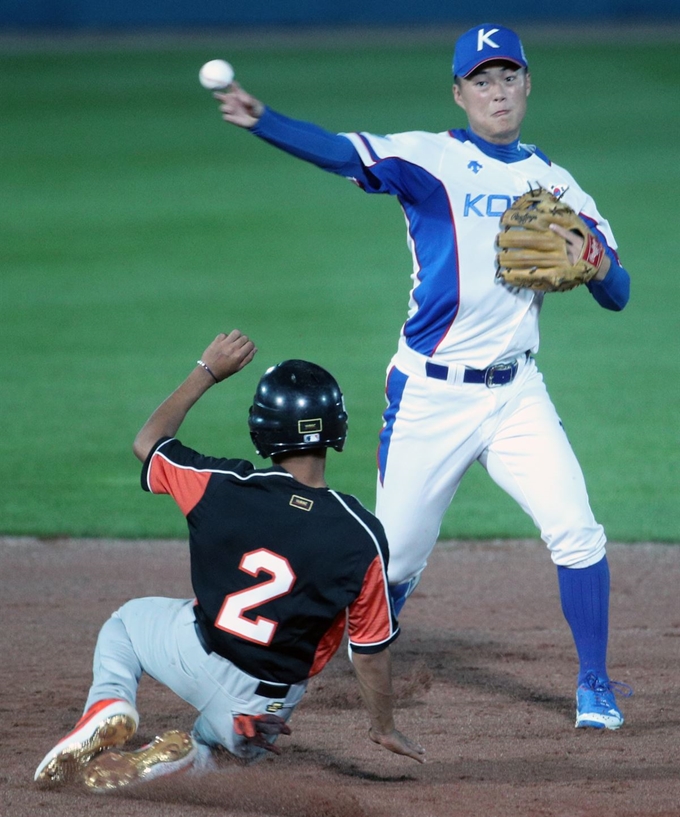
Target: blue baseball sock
[{"x": 585, "y": 603}]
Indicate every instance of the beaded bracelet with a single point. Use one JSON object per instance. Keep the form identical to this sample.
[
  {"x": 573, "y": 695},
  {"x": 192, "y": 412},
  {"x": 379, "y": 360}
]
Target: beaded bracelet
[{"x": 208, "y": 369}]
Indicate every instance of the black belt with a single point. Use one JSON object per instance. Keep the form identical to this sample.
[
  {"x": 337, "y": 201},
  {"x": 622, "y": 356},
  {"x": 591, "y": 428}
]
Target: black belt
[
  {"x": 498, "y": 375},
  {"x": 202, "y": 639},
  {"x": 267, "y": 689}
]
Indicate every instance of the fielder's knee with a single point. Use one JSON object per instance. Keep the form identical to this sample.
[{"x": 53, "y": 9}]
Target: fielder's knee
[
  {"x": 400, "y": 592},
  {"x": 580, "y": 554}
]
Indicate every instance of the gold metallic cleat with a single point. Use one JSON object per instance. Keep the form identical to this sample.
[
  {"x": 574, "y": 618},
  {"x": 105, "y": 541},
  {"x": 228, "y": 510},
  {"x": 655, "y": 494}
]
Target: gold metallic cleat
[
  {"x": 106, "y": 724},
  {"x": 171, "y": 752}
]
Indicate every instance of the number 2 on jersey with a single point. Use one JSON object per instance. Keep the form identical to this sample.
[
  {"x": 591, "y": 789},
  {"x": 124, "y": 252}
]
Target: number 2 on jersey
[{"x": 231, "y": 617}]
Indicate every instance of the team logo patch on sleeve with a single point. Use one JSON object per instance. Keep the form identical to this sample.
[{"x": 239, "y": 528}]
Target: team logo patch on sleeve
[{"x": 301, "y": 502}]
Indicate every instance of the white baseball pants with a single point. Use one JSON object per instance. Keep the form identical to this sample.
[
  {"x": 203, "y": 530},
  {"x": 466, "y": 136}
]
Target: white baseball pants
[
  {"x": 157, "y": 636},
  {"x": 436, "y": 429}
]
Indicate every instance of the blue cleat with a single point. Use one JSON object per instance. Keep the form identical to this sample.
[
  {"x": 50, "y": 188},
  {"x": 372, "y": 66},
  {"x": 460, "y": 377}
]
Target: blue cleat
[{"x": 596, "y": 703}]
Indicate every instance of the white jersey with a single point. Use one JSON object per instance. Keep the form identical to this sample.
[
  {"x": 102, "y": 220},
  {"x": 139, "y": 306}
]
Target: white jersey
[{"x": 453, "y": 195}]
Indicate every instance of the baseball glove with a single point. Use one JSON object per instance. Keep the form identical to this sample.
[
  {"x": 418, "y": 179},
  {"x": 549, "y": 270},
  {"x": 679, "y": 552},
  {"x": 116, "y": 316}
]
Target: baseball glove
[{"x": 532, "y": 256}]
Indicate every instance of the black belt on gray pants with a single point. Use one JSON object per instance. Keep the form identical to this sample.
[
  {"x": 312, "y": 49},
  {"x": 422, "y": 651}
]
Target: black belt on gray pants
[
  {"x": 267, "y": 689},
  {"x": 498, "y": 375}
]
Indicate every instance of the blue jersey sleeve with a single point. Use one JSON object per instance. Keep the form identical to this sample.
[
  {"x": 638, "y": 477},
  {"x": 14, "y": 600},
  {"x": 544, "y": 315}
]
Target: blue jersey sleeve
[
  {"x": 327, "y": 150},
  {"x": 613, "y": 291},
  {"x": 338, "y": 153}
]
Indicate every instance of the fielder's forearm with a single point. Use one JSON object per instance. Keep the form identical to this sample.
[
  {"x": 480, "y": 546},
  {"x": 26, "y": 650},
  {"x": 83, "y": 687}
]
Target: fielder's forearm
[
  {"x": 613, "y": 290},
  {"x": 374, "y": 674},
  {"x": 329, "y": 151}
]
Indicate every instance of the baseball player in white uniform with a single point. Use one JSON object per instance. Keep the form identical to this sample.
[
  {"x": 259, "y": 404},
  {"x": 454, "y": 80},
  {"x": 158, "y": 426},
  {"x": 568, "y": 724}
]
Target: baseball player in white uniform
[{"x": 463, "y": 386}]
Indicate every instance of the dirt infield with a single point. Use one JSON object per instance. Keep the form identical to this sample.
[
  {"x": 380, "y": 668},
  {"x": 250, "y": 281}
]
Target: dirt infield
[{"x": 485, "y": 672}]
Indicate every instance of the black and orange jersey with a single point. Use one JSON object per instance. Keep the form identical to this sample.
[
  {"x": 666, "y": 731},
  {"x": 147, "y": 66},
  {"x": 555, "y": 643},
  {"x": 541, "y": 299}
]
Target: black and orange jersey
[{"x": 279, "y": 569}]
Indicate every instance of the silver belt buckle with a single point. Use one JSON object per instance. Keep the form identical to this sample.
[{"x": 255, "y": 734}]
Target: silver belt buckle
[{"x": 492, "y": 371}]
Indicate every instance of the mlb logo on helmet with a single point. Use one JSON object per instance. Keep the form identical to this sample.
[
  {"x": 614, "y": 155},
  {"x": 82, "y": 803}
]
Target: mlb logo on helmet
[{"x": 483, "y": 43}]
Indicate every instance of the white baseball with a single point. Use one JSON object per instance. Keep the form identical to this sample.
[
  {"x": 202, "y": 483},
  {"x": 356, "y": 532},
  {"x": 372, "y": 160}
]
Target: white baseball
[{"x": 216, "y": 74}]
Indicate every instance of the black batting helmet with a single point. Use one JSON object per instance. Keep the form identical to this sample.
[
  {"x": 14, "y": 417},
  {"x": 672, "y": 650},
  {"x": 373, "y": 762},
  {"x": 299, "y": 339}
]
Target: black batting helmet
[{"x": 297, "y": 406}]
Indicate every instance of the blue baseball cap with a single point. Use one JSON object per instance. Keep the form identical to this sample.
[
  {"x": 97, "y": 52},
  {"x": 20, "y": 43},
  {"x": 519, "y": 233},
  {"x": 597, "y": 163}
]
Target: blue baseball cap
[{"x": 483, "y": 43}]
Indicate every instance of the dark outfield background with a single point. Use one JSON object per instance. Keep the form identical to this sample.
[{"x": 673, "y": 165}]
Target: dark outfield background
[
  {"x": 136, "y": 225},
  {"x": 154, "y": 13}
]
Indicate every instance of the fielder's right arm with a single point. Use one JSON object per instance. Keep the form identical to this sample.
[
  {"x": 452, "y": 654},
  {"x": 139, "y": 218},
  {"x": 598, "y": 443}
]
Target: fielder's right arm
[
  {"x": 239, "y": 107},
  {"x": 332, "y": 152}
]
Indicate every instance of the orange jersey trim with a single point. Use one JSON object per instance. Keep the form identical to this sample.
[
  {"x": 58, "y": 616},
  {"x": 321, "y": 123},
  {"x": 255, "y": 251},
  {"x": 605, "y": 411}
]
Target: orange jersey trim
[
  {"x": 329, "y": 644},
  {"x": 185, "y": 485},
  {"x": 370, "y": 622}
]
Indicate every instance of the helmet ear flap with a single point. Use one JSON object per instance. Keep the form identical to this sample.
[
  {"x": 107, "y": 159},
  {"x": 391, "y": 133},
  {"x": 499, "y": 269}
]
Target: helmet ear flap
[{"x": 297, "y": 406}]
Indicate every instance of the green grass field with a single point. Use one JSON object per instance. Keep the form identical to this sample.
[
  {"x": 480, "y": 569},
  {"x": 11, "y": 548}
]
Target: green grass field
[{"x": 136, "y": 225}]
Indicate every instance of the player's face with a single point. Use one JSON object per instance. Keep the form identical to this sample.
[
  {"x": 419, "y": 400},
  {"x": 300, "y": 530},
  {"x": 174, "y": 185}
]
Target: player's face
[{"x": 495, "y": 100}]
